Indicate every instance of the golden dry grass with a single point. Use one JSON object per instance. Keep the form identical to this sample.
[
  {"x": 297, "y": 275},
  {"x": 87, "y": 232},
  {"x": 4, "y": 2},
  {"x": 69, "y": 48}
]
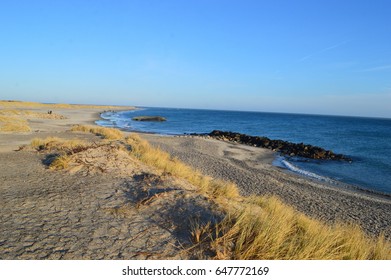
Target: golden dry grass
[
  {"x": 55, "y": 143},
  {"x": 62, "y": 147},
  {"x": 26, "y": 114},
  {"x": 13, "y": 124},
  {"x": 106, "y": 133},
  {"x": 265, "y": 228},
  {"x": 16, "y": 120},
  {"x": 163, "y": 161}
]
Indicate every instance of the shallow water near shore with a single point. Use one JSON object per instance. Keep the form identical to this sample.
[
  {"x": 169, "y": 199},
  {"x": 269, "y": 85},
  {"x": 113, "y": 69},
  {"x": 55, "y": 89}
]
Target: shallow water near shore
[{"x": 366, "y": 140}]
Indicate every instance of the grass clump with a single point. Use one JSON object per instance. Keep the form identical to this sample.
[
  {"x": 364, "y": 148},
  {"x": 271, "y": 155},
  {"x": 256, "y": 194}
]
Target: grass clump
[
  {"x": 61, "y": 150},
  {"x": 105, "y": 132},
  {"x": 69, "y": 146},
  {"x": 13, "y": 124},
  {"x": 268, "y": 229}
]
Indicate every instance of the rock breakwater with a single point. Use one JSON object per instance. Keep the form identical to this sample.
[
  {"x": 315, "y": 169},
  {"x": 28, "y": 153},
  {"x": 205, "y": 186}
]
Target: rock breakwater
[{"x": 283, "y": 147}]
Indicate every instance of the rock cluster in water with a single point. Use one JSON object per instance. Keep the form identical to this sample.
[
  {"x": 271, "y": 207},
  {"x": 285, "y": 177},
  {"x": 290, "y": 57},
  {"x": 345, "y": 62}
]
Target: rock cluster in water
[
  {"x": 283, "y": 147},
  {"x": 149, "y": 119}
]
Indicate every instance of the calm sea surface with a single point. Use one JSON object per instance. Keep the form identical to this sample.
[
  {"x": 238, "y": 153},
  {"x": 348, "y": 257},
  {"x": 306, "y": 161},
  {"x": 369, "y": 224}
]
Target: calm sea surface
[{"x": 366, "y": 140}]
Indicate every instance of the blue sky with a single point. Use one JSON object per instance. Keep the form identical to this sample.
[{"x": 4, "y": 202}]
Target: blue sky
[{"x": 325, "y": 57}]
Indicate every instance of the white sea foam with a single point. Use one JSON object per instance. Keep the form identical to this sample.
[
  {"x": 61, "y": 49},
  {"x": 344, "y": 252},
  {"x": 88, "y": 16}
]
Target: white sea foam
[{"x": 303, "y": 172}]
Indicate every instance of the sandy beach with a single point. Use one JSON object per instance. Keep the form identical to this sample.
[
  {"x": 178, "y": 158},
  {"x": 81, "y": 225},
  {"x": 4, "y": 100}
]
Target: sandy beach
[{"x": 131, "y": 211}]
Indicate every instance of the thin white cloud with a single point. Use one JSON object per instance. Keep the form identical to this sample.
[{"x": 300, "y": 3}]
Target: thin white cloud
[
  {"x": 377, "y": 68},
  {"x": 322, "y": 51}
]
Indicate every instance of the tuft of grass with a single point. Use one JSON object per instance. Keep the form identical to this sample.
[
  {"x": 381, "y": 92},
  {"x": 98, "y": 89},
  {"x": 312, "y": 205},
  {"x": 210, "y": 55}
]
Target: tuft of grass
[
  {"x": 13, "y": 124},
  {"x": 60, "y": 145},
  {"x": 268, "y": 229},
  {"x": 61, "y": 162},
  {"x": 62, "y": 148},
  {"x": 106, "y": 133}
]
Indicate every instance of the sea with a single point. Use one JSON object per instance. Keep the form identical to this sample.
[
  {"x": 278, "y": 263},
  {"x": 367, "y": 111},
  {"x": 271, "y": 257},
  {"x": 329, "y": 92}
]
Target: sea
[{"x": 367, "y": 141}]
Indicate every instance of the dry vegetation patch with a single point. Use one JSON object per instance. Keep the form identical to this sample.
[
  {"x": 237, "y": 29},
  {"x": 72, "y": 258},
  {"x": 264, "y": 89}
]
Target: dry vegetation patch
[
  {"x": 84, "y": 157},
  {"x": 106, "y": 133},
  {"x": 13, "y": 124},
  {"x": 16, "y": 120}
]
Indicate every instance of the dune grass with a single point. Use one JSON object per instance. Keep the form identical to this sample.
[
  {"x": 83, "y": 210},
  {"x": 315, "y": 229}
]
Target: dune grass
[
  {"x": 106, "y": 133},
  {"x": 163, "y": 161},
  {"x": 13, "y": 124},
  {"x": 16, "y": 120},
  {"x": 265, "y": 228},
  {"x": 255, "y": 227},
  {"x": 27, "y": 114},
  {"x": 62, "y": 149}
]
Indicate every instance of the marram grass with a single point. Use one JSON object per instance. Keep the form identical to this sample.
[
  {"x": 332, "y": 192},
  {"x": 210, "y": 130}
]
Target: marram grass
[
  {"x": 107, "y": 133},
  {"x": 13, "y": 124}
]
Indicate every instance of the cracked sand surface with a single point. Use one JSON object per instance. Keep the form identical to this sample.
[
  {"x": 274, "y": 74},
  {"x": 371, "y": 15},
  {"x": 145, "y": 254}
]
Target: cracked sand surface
[{"x": 56, "y": 215}]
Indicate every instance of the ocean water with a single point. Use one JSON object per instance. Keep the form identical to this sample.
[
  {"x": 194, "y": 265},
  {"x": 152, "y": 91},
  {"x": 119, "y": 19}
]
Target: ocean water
[{"x": 366, "y": 140}]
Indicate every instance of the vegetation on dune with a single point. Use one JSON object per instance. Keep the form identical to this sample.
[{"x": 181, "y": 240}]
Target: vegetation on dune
[
  {"x": 255, "y": 227},
  {"x": 106, "y": 133},
  {"x": 13, "y": 124},
  {"x": 61, "y": 149},
  {"x": 16, "y": 120},
  {"x": 265, "y": 228},
  {"x": 163, "y": 161},
  {"x": 14, "y": 115}
]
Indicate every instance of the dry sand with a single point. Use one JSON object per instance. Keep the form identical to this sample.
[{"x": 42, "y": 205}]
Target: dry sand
[{"x": 130, "y": 212}]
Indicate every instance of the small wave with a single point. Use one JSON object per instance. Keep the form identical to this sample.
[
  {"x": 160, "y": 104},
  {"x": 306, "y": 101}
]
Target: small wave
[{"x": 303, "y": 172}]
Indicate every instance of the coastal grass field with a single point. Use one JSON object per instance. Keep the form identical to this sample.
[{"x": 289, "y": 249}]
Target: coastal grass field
[
  {"x": 15, "y": 115},
  {"x": 247, "y": 227}
]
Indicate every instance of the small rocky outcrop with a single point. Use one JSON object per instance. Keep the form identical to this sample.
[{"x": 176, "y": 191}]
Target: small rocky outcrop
[
  {"x": 149, "y": 119},
  {"x": 283, "y": 147}
]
